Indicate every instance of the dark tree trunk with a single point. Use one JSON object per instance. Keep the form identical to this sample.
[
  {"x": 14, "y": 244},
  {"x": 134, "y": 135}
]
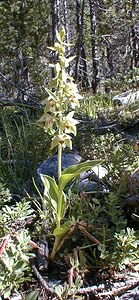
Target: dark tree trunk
[
  {"x": 81, "y": 65},
  {"x": 55, "y": 18},
  {"x": 65, "y": 20},
  {"x": 134, "y": 38},
  {"x": 55, "y": 27},
  {"x": 20, "y": 64},
  {"x": 110, "y": 59},
  {"x": 93, "y": 18}
]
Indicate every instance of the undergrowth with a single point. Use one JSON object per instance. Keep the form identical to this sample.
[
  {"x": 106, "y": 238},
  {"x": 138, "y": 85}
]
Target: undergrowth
[{"x": 99, "y": 228}]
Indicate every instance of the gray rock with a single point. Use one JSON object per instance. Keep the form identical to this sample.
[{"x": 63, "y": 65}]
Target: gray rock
[
  {"x": 135, "y": 174},
  {"x": 131, "y": 294},
  {"x": 126, "y": 98},
  {"x": 86, "y": 181},
  {"x": 86, "y": 185},
  {"x": 49, "y": 167}
]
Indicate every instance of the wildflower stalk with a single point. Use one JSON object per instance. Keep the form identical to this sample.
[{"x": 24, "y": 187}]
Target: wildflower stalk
[
  {"x": 59, "y": 161},
  {"x": 58, "y": 118}
]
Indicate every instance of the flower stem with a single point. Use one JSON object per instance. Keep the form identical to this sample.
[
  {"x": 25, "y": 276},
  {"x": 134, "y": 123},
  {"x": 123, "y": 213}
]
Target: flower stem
[
  {"x": 59, "y": 175},
  {"x": 59, "y": 161}
]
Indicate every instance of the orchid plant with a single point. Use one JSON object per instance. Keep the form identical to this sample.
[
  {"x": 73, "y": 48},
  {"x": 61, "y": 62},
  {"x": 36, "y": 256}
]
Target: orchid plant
[{"x": 58, "y": 117}]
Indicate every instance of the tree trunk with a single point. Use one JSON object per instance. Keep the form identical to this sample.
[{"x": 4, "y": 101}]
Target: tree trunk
[
  {"x": 65, "y": 20},
  {"x": 134, "y": 39},
  {"x": 93, "y": 18},
  {"x": 55, "y": 18},
  {"x": 20, "y": 64},
  {"x": 81, "y": 65}
]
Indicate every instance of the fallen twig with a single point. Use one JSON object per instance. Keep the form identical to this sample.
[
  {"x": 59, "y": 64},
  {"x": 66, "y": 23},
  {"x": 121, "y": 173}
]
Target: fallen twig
[
  {"x": 101, "y": 291},
  {"x": 44, "y": 284},
  {"x": 117, "y": 291}
]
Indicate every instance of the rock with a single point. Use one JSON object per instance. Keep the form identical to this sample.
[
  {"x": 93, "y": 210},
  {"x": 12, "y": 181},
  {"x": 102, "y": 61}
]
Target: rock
[
  {"x": 88, "y": 181},
  {"x": 135, "y": 174},
  {"x": 131, "y": 294},
  {"x": 126, "y": 98},
  {"x": 87, "y": 186},
  {"x": 100, "y": 171},
  {"x": 49, "y": 167}
]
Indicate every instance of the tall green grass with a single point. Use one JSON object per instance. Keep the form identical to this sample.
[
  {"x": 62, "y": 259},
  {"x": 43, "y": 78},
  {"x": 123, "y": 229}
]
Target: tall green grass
[{"x": 23, "y": 144}]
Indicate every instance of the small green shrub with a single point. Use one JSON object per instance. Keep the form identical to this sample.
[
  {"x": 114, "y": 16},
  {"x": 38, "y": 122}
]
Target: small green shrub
[
  {"x": 15, "y": 249},
  {"x": 14, "y": 262},
  {"x": 5, "y": 195},
  {"x": 126, "y": 254}
]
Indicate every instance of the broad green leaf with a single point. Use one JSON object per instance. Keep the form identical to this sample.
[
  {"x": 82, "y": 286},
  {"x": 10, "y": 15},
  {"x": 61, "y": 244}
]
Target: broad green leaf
[
  {"x": 53, "y": 194},
  {"x": 63, "y": 229},
  {"x": 51, "y": 191},
  {"x": 32, "y": 295},
  {"x": 96, "y": 201},
  {"x": 61, "y": 235},
  {"x": 73, "y": 171},
  {"x": 59, "y": 232},
  {"x": 63, "y": 205}
]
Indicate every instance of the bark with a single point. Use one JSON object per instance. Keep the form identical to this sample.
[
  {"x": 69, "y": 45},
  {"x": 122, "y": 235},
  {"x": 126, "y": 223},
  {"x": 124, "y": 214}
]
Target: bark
[
  {"x": 55, "y": 18},
  {"x": 81, "y": 65},
  {"x": 110, "y": 59},
  {"x": 20, "y": 63},
  {"x": 134, "y": 38},
  {"x": 55, "y": 27},
  {"x": 65, "y": 20},
  {"x": 93, "y": 19}
]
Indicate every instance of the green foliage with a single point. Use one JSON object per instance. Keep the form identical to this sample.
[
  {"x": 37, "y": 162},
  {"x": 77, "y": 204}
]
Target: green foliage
[
  {"x": 52, "y": 195},
  {"x": 106, "y": 210},
  {"x": 32, "y": 295},
  {"x": 14, "y": 262},
  {"x": 71, "y": 172},
  {"x": 59, "y": 121},
  {"x": 23, "y": 144},
  {"x": 126, "y": 254},
  {"x": 25, "y": 33},
  {"x": 15, "y": 249},
  {"x": 14, "y": 215},
  {"x": 61, "y": 124},
  {"x": 5, "y": 195},
  {"x": 91, "y": 105},
  {"x": 111, "y": 148}
]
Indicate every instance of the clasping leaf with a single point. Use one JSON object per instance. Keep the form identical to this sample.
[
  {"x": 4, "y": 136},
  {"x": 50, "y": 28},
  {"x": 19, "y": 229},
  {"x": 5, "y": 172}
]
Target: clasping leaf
[{"x": 69, "y": 173}]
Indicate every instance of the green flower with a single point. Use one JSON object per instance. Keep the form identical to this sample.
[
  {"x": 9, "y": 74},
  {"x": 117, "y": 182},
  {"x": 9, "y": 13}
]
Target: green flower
[
  {"x": 72, "y": 93},
  {"x": 69, "y": 124},
  {"x": 48, "y": 120},
  {"x": 73, "y": 101},
  {"x": 50, "y": 104},
  {"x": 62, "y": 139}
]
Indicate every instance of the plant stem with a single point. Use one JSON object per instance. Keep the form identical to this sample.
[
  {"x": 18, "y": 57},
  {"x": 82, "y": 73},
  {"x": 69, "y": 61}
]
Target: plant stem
[
  {"x": 59, "y": 175},
  {"x": 59, "y": 161}
]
